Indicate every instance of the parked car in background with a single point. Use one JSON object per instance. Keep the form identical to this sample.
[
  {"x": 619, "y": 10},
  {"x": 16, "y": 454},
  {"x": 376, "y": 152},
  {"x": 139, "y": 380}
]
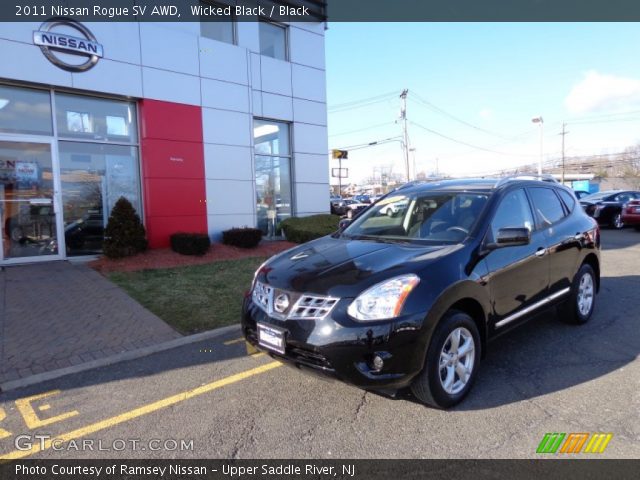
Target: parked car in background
[
  {"x": 631, "y": 214},
  {"x": 337, "y": 205},
  {"x": 353, "y": 207},
  {"x": 581, "y": 193},
  {"x": 413, "y": 300},
  {"x": 606, "y": 207},
  {"x": 362, "y": 198},
  {"x": 392, "y": 208}
]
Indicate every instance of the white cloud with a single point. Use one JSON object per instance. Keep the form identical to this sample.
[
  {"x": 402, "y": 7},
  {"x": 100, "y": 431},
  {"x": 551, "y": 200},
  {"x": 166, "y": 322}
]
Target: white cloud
[{"x": 598, "y": 92}]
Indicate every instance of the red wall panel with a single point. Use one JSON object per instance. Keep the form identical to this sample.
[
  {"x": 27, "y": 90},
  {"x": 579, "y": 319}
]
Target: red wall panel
[
  {"x": 170, "y": 121},
  {"x": 175, "y": 196},
  {"x": 173, "y": 177},
  {"x": 172, "y": 159}
]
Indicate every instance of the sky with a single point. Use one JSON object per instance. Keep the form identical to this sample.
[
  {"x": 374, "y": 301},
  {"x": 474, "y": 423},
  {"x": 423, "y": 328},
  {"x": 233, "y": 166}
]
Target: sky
[{"x": 480, "y": 84}]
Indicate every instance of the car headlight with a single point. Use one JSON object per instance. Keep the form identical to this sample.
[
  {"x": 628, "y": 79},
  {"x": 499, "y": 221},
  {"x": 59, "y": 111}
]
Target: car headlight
[
  {"x": 256, "y": 273},
  {"x": 383, "y": 300}
]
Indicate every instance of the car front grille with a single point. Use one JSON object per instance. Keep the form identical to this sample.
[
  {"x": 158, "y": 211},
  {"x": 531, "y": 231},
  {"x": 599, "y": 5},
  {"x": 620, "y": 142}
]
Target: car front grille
[
  {"x": 301, "y": 306},
  {"x": 312, "y": 307}
]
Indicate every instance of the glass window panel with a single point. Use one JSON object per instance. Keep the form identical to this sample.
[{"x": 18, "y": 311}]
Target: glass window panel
[
  {"x": 27, "y": 213},
  {"x": 25, "y": 110},
  {"x": 271, "y": 138},
  {"x": 95, "y": 119},
  {"x": 211, "y": 28},
  {"x": 547, "y": 206},
  {"x": 273, "y": 40},
  {"x": 514, "y": 212},
  {"x": 568, "y": 199},
  {"x": 93, "y": 177},
  {"x": 273, "y": 191}
]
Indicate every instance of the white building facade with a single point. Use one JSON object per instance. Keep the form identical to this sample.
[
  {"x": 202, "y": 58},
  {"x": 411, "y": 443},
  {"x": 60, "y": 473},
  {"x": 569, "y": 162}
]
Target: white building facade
[{"x": 203, "y": 126}]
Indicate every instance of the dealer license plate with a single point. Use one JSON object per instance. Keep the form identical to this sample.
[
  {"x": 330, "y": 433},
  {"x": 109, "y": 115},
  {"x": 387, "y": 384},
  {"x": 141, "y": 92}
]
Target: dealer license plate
[{"x": 271, "y": 338}]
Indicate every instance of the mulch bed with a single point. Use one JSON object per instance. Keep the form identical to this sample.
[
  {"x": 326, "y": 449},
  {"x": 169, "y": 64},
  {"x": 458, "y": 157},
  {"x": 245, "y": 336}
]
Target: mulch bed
[{"x": 167, "y": 258}]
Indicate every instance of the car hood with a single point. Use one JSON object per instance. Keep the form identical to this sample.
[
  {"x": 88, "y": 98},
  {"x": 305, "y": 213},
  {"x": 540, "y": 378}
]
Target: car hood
[{"x": 343, "y": 268}]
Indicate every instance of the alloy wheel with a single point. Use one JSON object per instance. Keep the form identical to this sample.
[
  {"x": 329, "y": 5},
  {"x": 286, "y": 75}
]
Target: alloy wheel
[
  {"x": 617, "y": 221},
  {"x": 457, "y": 359},
  {"x": 585, "y": 294}
]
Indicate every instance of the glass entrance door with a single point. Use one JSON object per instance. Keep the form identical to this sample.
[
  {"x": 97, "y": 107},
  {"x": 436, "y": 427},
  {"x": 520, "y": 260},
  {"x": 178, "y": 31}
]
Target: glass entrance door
[{"x": 29, "y": 223}]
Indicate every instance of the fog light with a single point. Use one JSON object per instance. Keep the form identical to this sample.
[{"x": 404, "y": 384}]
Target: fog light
[{"x": 377, "y": 363}]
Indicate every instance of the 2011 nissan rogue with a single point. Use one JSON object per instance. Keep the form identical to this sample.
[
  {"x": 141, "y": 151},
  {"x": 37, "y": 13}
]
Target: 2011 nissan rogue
[{"x": 412, "y": 299}]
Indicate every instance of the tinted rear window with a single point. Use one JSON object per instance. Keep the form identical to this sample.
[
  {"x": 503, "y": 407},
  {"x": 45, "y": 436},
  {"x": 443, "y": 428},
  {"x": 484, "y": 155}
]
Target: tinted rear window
[
  {"x": 547, "y": 206},
  {"x": 568, "y": 199}
]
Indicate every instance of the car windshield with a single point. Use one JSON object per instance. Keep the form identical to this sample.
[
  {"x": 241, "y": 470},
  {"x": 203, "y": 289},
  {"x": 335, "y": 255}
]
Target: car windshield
[{"x": 423, "y": 217}]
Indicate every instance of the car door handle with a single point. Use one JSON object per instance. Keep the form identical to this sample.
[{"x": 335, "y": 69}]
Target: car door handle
[{"x": 541, "y": 252}]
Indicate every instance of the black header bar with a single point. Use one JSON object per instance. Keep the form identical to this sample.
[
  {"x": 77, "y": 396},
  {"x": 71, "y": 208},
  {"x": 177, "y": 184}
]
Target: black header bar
[{"x": 324, "y": 10}]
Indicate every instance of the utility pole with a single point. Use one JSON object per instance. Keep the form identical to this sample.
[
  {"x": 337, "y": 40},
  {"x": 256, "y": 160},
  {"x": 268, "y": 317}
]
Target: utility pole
[
  {"x": 563, "y": 133},
  {"x": 403, "y": 117}
]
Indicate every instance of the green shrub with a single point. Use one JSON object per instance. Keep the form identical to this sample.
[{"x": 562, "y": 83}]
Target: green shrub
[
  {"x": 125, "y": 235},
  {"x": 305, "y": 229},
  {"x": 190, "y": 243},
  {"x": 242, "y": 237}
]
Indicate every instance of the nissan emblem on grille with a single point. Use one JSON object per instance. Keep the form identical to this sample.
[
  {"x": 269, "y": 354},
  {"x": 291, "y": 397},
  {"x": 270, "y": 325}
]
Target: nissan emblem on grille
[
  {"x": 275, "y": 303},
  {"x": 281, "y": 303}
]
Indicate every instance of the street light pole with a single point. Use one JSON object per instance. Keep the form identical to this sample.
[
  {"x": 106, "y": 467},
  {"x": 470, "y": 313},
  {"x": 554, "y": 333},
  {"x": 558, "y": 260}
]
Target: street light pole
[
  {"x": 540, "y": 121},
  {"x": 403, "y": 116}
]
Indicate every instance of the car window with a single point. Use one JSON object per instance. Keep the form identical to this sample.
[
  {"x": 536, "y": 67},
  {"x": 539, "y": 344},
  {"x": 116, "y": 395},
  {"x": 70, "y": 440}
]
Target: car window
[
  {"x": 547, "y": 206},
  {"x": 422, "y": 216},
  {"x": 568, "y": 199},
  {"x": 623, "y": 197},
  {"x": 513, "y": 211}
]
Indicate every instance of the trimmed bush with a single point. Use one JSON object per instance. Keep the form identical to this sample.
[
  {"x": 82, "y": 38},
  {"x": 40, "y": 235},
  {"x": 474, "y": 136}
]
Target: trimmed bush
[
  {"x": 305, "y": 229},
  {"x": 190, "y": 243},
  {"x": 245, "y": 237},
  {"x": 125, "y": 235}
]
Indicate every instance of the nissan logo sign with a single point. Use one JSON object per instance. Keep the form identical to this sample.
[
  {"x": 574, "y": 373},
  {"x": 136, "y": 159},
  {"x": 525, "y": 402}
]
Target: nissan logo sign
[{"x": 84, "y": 45}]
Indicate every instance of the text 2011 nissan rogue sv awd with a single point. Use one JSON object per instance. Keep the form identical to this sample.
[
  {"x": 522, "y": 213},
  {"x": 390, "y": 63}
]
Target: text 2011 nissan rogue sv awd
[{"x": 412, "y": 299}]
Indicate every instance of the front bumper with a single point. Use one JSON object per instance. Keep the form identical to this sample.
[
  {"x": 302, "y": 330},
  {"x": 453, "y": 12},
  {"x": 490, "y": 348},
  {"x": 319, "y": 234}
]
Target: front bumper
[{"x": 340, "y": 347}]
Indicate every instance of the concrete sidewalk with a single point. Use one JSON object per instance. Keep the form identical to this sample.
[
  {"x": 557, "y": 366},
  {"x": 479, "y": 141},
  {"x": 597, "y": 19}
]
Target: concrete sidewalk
[{"x": 58, "y": 314}]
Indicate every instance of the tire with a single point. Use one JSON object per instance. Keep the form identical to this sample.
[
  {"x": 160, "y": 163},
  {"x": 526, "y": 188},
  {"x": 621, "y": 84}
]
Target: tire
[
  {"x": 429, "y": 386},
  {"x": 16, "y": 233},
  {"x": 637, "y": 227},
  {"x": 616, "y": 221},
  {"x": 573, "y": 311}
]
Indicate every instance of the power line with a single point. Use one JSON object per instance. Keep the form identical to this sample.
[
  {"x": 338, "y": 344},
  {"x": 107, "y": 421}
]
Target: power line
[
  {"x": 441, "y": 111},
  {"x": 371, "y": 144},
  {"x": 360, "y": 103},
  {"x": 363, "y": 129},
  {"x": 476, "y": 147}
]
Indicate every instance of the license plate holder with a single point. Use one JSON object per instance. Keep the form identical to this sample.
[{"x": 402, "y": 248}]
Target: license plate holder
[{"x": 272, "y": 338}]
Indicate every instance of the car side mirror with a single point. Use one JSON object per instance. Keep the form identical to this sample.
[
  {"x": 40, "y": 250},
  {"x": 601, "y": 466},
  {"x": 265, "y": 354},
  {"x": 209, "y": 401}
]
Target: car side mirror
[
  {"x": 344, "y": 223},
  {"x": 512, "y": 237}
]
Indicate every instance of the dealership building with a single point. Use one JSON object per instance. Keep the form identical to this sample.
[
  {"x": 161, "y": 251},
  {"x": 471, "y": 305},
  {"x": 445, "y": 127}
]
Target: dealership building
[{"x": 202, "y": 126}]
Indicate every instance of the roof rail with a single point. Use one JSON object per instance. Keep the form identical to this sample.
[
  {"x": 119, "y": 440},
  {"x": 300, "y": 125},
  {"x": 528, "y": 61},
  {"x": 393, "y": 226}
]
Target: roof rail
[{"x": 544, "y": 177}]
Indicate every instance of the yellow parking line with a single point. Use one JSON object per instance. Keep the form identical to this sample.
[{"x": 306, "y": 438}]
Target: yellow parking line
[
  {"x": 140, "y": 411},
  {"x": 235, "y": 340}
]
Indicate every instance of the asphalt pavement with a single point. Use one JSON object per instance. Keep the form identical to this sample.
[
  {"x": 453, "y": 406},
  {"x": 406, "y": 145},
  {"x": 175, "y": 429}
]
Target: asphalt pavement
[{"x": 212, "y": 400}]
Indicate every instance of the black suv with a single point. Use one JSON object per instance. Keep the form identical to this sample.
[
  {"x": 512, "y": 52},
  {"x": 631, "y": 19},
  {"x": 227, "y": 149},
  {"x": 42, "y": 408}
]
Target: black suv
[{"x": 412, "y": 300}]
